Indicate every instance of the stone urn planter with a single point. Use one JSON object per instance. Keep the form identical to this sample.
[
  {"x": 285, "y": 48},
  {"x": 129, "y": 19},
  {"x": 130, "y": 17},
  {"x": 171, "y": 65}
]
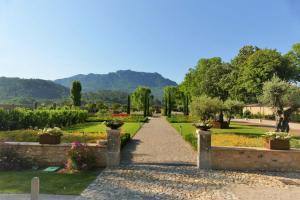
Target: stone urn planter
[
  {"x": 113, "y": 142},
  {"x": 50, "y": 135},
  {"x": 277, "y": 144}
]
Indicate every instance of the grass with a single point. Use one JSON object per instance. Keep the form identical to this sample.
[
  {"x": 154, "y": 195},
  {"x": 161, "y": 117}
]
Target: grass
[
  {"x": 50, "y": 183},
  {"x": 237, "y": 135},
  {"x": 86, "y": 132}
]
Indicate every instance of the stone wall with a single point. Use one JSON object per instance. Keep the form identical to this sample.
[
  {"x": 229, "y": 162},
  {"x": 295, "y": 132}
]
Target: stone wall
[
  {"x": 46, "y": 154},
  {"x": 255, "y": 159},
  {"x": 245, "y": 158}
]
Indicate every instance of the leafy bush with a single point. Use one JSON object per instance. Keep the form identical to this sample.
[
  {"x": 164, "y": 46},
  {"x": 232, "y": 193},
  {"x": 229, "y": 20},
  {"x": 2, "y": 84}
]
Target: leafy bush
[
  {"x": 52, "y": 131},
  {"x": 21, "y": 118},
  {"x": 125, "y": 138},
  {"x": 277, "y": 135},
  {"x": 247, "y": 114},
  {"x": 182, "y": 119},
  {"x": 80, "y": 157},
  {"x": 130, "y": 118},
  {"x": 10, "y": 160}
]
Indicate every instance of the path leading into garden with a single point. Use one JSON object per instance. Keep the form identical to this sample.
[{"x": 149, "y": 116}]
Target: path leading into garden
[
  {"x": 159, "y": 164},
  {"x": 158, "y": 143}
]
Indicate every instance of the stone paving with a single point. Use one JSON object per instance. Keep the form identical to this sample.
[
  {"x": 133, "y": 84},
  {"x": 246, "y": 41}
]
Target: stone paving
[{"x": 159, "y": 164}]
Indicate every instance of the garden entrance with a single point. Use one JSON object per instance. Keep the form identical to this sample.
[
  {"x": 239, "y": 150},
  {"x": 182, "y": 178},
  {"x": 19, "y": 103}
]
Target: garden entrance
[{"x": 158, "y": 142}]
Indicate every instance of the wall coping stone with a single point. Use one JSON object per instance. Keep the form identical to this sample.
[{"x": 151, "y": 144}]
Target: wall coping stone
[
  {"x": 292, "y": 150},
  {"x": 51, "y": 145}
]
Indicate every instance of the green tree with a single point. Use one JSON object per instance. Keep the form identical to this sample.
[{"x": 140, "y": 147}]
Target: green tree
[
  {"x": 208, "y": 78},
  {"x": 140, "y": 99},
  {"x": 232, "y": 107},
  {"x": 294, "y": 60},
  {"x": 169, "y": 98},
  {"x": 283, "y": 98},
  {"x": 128, "y": 104},
  {"x": 76, "y": 93},
  {"x": 205, "y": 107}
]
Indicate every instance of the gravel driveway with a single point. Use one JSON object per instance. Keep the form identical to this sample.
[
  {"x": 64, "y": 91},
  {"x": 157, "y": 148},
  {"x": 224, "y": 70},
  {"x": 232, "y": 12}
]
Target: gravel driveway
[{"x": 159, "y": 164}]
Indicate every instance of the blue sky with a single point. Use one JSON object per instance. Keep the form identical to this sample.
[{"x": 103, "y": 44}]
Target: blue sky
[{"x": 52, "y": 39}]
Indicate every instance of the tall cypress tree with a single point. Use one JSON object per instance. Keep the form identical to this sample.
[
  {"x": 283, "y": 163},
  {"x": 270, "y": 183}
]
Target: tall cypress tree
[
  {"x": 76, "y": 93},
  {"x": 169, "y": 104},
  {"x": 128, "y": 104},
  {"x": 145, "y": 104},
  {"x": 165, "y": 106},
  {"x": 187, "y": 105}
]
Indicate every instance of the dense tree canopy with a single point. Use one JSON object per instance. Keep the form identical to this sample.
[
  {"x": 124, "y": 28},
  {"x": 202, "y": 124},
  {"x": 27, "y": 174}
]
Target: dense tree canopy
[{"x": 243, "y": 78}]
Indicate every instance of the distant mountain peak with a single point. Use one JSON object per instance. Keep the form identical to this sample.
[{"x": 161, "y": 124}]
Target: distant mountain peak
[{"x": 121, "y": 80}]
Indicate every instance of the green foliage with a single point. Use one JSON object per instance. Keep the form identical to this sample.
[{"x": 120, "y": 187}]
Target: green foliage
[
  {"x": 52, "y": 183},
  {"x": 182, "y": 119},
  {"x": 243, "y": 78},
  {"x": 52, "y": 131},
  {"x": 280, "y": 95},
  {"x": 125, "y": 138},
  {"x": 81, "y": 157},
  {"x": 128, "y": 104},
  {"x": 247, "y": 114},
  {"x": 23, "y": 118},
  {"x": 107, "y": 97},
  {"x": 232, "y": 107},
  {"x": 130, "y": 118},
  {"x": 141, "y": 100},
  {"x": 76, "y": 93},
  {"x": 170, "y": 95},
  {"x": 205, "y": 107}
]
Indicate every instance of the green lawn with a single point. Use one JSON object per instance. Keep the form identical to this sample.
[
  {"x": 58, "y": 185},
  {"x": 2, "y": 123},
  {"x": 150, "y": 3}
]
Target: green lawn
[
  {"x": 86, "y": 132},
  {"x": 237, "y": 135},
  {"x": 50, "y": 183}
]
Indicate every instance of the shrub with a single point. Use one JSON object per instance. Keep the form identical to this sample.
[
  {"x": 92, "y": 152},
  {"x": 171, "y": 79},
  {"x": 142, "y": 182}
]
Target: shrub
[
  {"x": 125, "y": 138},
  {"x": 21, "y": 118},
  {"x": 182, "y": 119},
  {"x": 247, "y": 114},
  {"x": 10, "y": 160},
  {"x": 80, "y": 157},
  {"x": 52, "y": 131},
  {"x": 129, "y": 118}
]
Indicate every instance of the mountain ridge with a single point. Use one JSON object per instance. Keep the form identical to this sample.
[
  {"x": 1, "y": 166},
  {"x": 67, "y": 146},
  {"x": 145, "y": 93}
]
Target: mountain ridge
[{"x": 122, "y": 80}]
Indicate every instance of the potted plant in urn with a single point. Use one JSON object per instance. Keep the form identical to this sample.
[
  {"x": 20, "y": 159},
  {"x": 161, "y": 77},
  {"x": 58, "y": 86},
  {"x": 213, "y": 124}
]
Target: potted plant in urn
[
  {"x": 277, "y": 140},
  {"x": 204, "y": 126},
  {"x": 114, "y": 124},
  {"x": 50, "y": 135}
]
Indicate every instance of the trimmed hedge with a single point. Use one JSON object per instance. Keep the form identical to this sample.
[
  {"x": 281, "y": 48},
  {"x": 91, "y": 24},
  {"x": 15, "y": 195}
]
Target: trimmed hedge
[
  {"x": 20, "y": 118},
  {"x": 182, "y": 119},
  {"x": 130, "y": 118}
]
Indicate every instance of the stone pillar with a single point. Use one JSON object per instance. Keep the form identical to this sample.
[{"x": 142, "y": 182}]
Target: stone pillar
[
  {"x": 113, "y": 148},
  {"x": 35, "y": 188},
  {"x": 204, "y": 149}
]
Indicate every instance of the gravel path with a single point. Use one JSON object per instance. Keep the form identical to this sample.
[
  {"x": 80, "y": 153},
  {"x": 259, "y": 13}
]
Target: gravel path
[
  {"x": 159, "y": 164},
  {"x": 158, "y": 142}
]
